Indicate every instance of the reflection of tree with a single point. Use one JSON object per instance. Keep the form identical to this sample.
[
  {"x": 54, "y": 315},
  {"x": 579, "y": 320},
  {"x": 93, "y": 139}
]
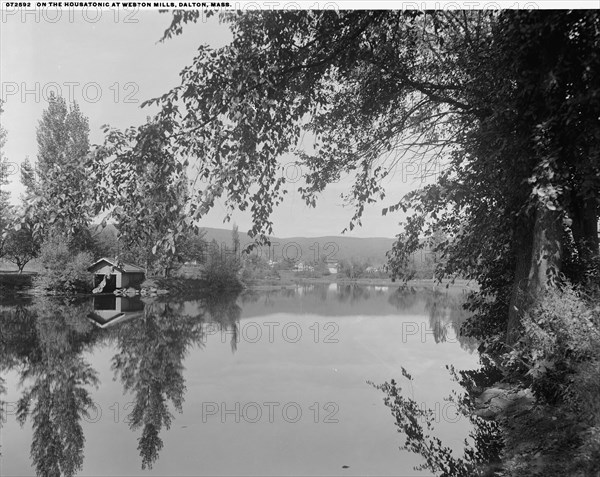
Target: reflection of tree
[
  {"x": 150, "y": 362},
  {"x": 251, "y": 296},
  {"x": 55, "y": 402},
  {"x": 486, "y": 434},
  {"x": 445, "y": 312},
  {"x": 404, "y": 298},
  {"x": 224, "y": 310},
  {"x": 318, "y": 290},
  {"x": 352, "y": 293},
  {"x": 17, "y": 335},
  {"x": 481, "y": 455},
  {"x": 46, "y": 341}
]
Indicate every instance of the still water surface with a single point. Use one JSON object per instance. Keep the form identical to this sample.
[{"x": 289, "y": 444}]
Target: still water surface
[{"x": 263, "y": 383}]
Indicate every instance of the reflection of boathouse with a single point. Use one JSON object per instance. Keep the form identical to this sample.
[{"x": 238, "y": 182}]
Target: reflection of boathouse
[
  {"x": 110, "y": 309},
  {"x": 117, "y": 274}
]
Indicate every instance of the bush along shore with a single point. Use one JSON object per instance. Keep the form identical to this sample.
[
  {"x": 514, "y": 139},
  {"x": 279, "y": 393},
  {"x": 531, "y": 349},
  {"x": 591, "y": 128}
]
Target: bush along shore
[{"x": 534, "y": 406}]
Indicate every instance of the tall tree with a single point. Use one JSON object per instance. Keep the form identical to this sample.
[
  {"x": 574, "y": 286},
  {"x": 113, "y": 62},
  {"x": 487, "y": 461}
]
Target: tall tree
[
  {"x": 58, "y": 188},
  {"x": 376, "y": 88}
]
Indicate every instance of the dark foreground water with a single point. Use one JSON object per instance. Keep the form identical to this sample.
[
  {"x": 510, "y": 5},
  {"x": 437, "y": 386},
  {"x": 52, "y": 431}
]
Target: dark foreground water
[{"x": 265, "y": 383}]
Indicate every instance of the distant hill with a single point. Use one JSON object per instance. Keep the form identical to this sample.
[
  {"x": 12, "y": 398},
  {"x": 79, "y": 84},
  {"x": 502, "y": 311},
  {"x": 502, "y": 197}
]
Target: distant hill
[{"x": 371, "y": 250}]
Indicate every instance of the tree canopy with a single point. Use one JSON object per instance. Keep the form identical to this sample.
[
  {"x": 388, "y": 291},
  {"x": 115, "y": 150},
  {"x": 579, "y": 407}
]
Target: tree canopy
[{"x": 58, "y": 186}]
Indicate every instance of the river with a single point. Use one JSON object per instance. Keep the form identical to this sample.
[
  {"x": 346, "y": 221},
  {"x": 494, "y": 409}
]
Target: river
[{"x": 261, "y": 383}]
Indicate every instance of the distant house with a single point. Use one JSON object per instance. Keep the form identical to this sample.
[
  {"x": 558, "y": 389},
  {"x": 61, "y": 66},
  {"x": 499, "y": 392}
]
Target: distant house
[
  {"x": 374, "y": 270},
  {"x": 117, "y": 274},
  {"x": 332, "y": 266}
]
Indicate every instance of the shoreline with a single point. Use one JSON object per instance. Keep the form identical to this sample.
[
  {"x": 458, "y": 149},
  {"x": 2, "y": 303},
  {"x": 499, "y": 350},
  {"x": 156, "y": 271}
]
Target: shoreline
[
  {"x": 259, "y": 285},
  {"x": 177, "y": 286}
]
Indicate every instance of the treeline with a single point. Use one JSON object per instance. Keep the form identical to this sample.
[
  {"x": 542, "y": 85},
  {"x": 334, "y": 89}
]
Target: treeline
[{"x": 132, "y": 182}]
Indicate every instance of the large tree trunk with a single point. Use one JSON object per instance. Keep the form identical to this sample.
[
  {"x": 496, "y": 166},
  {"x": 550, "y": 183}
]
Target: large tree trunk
[
  {"x": 517, "y": 305},
  {"x": 537, "y": 268},
  {"x": 585, "y": 228}
]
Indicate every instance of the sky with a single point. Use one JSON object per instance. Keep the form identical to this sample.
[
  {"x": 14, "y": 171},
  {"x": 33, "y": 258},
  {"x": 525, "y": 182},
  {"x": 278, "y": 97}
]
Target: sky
[{"x": 110, "y": 61}]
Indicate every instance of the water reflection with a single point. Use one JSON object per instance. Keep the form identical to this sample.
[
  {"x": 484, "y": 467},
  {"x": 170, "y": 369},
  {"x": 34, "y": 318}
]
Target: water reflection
[
  {"x": 45, "y": 342},
  {"x": 445, "y": 311},
  {"x": 483, "y": 448},
  {"x": 149, "y": 364},
  {"x": 48, "y": 342},
  {"x": 110, "y": 309},
  {"x": 481, "y": 453},
  {"x": 352, "y": 293}
]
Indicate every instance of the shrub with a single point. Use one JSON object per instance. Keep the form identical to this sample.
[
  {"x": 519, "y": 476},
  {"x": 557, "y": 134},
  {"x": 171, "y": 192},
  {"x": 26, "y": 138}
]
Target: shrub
[
  {"x": 559, "y": 359},
  {"x": 559, "y": 336},
  {"x": 256, "y": 268},
  {"x": 63, "y": 271},
  {"x": 222, "y": 267}
]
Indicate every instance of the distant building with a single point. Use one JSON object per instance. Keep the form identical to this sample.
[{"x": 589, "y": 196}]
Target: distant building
[
  {"x": 303, "y": 267},
  {"x": 117, "y": 275},
  {"x": 373, "y": 270},
  {"x": 332, "y": 266}
]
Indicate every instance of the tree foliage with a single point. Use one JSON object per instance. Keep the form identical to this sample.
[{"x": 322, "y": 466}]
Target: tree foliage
[
  {"x": 223, "y": 264},
  {"x": 58, "y": 187},
  {"x": 142, "y": 187},
  {"x": 21, "y": 246},
  {"x": 352, "y": 79},
  {"x": 518, "y": 197},
  {"x": 63, "y": 271}
]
